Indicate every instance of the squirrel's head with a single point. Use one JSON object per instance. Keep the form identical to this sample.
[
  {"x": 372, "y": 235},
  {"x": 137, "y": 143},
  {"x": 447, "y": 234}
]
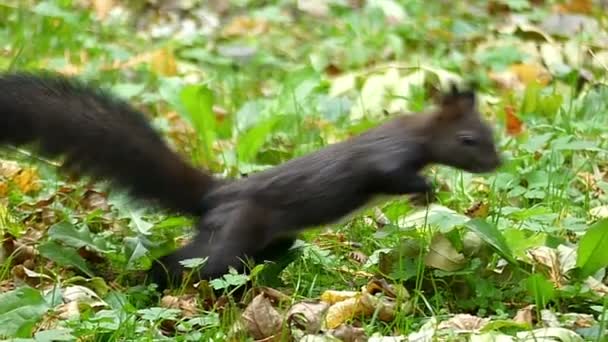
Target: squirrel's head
[{"x": 459, "y": 137}]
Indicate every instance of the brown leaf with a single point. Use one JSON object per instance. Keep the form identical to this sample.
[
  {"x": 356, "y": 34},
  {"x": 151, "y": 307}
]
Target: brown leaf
[
  {"x": 383, "y": 307},
  {"x": 525, "y": 315},
  {"x": 514, "y": 125},
  {"x": 245, "y": 26},
  {"x": 358, "y": 256},
  {"x": 307, "y": 316},
  {"x": 348, "y": 333},
  {"x": 17, "y": 250},
  {"x": 260, "y": 319},
  {"x": 186, "y": 304},
  {"x": 464, "y": 322},
  {"x": 102, "y": 8},
  {"x": 576, "y": 6},
  {"x": 163, "y": 62},
  {"x": 478, "y": 209},
  {"x": 92, "y": 200}
]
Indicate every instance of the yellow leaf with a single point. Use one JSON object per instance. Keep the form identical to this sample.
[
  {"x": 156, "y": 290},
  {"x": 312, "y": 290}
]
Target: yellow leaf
[
  {"x": 343, "y": 311},
  {"x": 529, "y": 73},
  {"x": 102, "y": 8},
  {"x": 332, "y": 296},
  {"x": 163, "y": 62},
  {"x": 27, "y": 180},
  {"x": 245, "y": 26}
]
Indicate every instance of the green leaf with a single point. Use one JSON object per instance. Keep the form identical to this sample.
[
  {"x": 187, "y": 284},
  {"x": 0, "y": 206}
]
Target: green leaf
[
  {"x": 491, "y": 235},
  {"x": 541, "y": 288},
  {"x": 198, "y": 104},
  {"x": 64, "y": 256},
  {"x": 250, "y": 142},
  {"x": 70, "y": 235},
  {"x": 54, "y": 335},
  {"x": 20, "y": 310},
  {"x": 592, "y": 253}
]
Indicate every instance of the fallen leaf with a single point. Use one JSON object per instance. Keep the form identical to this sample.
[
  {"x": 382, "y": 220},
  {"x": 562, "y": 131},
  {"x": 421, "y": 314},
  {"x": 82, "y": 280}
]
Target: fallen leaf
[
  {"x": 514, "y": 124},
  {"x": 478, "y": 209},
  {"x": 464, "y": 323},
  {"x": 162, "y": 62},
  {"x": 26, "y": 180},
  {"x": 576, "y": 6},
  {"x": 186, "y": 304},
  {"x": 333, "y": 296},
  {"x": 260, "y": 319},
  {"x": 316, "y": 8},
  {"x": 568, "y": 25},
  {"x": 530, "y": 73},
  {"x": 245, "y": 26},
  {"x": 348, "y": 333},
  {"x": 102, "y": 8},
  {"x": 307, "y": 316},
  {"x": 359, "y": 257},
  {"x": 525, "y": 315},
  {"x": 93, "y": 200},
  {"x": 442, "y": 255},
  {"x": 343, "y": 311}
]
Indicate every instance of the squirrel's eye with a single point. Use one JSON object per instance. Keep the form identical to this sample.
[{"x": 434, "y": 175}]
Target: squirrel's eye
[{"x": 467, "y": 139}]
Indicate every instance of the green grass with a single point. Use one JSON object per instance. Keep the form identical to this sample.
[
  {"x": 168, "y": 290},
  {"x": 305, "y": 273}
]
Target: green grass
[{"x": 242, "y": 102}]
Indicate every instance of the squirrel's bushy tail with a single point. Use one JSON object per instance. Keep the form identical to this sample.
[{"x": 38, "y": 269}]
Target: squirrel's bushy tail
[{"x": 99, "y": 135}]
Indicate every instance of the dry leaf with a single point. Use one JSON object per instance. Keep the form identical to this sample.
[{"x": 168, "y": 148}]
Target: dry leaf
[
  {"x": 529, "y": 73},
  {"x": 576, "y": 6},
  {"x": 525, "y": 315},
  {"x": 102, "y": 7},
  {"x": 316, "y": 8},
  {"x": 478, "y": 209},
  {"x": 67, "y": 311},
  {"x": 245, "y": 26},
  {"x": 260, "y": 319},
  {"x": 464, "y": 323},
  {"x": 443, "y": 255},
  {"x": 163, "y": 62},
  {"x": 343, "y": 311},
  {"x": 359, "y": 257},
  {"x": 384, "y": 307},
  {"x": 92, "y": 200},
  {"x": 307, "y": 316},
  {"x": 514, "y": 124},
  {"x": 348, "y": 333},
  {"x": 186, "y": 304},
  {"x": 332, "y": 296}
]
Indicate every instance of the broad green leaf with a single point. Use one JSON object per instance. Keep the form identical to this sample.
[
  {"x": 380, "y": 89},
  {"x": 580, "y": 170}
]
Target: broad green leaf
[
  {"x": 491, "y": 235},
  {"x": 54, "y": 335},
  {"x": 20, "y": 309},
  {"x": 139, "y": 224},
  {"x": 592, "y": 253},
  {"x": 68, "y": 233},
  {"x": 250, "y": 142},
  {"x": 198, "y": 104},
  {"x": 541, "y": 289},
  {"x": 435, "y": 215},
  {"x": 64, "y": 256}
]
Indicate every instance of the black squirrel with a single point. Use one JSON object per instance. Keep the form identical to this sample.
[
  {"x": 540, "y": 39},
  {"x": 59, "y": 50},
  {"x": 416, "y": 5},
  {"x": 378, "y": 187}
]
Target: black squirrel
[{"x": 257, "y": 216}]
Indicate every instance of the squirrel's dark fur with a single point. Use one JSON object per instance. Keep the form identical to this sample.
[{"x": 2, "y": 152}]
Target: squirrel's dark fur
[{"x": 256, "y": 216}]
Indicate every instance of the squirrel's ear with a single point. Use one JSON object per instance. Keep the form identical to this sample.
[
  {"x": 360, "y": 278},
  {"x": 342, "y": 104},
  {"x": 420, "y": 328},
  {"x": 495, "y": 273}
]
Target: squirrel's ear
[{"x": 456, "y": 104}]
